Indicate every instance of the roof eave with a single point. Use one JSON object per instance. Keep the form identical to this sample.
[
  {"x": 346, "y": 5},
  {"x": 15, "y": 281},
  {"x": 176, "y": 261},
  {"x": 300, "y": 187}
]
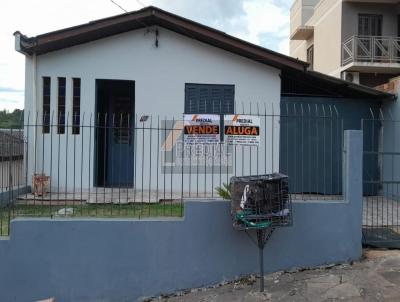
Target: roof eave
[
  {"x": 154, "y": 16},
  {"x": 23, "y": 44},
  {"x": 361, "y": 88}
]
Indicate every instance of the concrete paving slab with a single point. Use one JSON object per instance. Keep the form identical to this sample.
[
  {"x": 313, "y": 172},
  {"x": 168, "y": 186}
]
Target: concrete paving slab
[{"x": 375, "y": 278}]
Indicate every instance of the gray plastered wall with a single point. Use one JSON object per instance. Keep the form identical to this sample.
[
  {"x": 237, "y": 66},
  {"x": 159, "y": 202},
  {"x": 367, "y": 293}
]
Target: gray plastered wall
[{"x": 123, "y": 260}]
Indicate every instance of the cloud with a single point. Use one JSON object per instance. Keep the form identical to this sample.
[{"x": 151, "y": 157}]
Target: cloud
[
  {"x": 285, "y": 4},
  {"x": 228, "y": 16},
  {"x": 264, "y": 22},
  {"x": 10, "y": 101},
  {"x": 268, "y": 24},
  {"x": 11, "y": 98},
  {"x": 9, "y": 89}
]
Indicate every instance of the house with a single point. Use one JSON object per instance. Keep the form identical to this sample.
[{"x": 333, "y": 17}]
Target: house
[
  {"x": 350, "y": 39},
  {"x": 147, "y": 68}
]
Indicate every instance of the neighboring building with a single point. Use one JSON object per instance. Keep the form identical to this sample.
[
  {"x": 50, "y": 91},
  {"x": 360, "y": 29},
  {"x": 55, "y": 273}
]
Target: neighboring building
[
  {"x": 152, "y": 63},
  {"x": 357, "y": 40},
  {"x": 11, "y": 159}
]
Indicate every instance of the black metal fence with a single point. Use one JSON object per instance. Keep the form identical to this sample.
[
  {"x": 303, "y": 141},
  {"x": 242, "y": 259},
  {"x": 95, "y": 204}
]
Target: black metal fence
[
  {"x": 139, "y": 166},
  {"x": 11, "y": 158},
  {"x": 381, "y": 217}
]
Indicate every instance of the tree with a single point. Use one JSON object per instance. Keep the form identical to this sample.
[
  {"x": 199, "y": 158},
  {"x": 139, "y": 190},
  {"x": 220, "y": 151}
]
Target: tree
[{"x": 13, "y": 119}]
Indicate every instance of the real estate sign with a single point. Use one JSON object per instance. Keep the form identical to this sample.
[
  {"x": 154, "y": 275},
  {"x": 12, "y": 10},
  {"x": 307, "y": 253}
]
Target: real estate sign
[
  {"x": 242, "y": 129},
  {"x": 201, "y": 129}
]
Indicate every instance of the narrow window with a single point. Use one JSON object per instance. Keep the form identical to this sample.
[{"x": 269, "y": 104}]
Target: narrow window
[
  {"x": 46, "y": 104},
  {"x": 76, "y": 105},
  {"x": 310, "y": 57},
  {"x": 61, "y": 106}
]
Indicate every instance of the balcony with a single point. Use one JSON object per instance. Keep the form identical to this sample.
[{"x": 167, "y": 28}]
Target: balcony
[
  {"x": 371, "y": 54},
  {"x": 300, "y": 12}
]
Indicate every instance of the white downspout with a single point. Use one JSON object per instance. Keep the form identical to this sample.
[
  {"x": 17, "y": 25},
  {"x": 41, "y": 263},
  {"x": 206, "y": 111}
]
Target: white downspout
[{"x": 34, "y": 98}]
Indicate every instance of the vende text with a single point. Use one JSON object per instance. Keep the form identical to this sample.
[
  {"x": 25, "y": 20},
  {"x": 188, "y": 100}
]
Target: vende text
[{"x": 204, "y": 129}]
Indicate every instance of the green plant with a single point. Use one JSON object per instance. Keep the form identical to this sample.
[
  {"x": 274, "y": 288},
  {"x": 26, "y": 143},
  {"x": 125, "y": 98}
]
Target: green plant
[{"x": 224, "y": 191}]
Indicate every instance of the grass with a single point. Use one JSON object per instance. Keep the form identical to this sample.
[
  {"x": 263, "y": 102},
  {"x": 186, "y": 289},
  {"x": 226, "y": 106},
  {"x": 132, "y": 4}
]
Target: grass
[
  {"x": 90, "y": 210},
  {"x": 3, "y": 223}
]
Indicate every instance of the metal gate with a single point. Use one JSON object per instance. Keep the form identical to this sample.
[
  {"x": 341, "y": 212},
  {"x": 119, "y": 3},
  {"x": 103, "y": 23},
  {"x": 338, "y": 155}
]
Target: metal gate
[{"x": 381, "y": 179}]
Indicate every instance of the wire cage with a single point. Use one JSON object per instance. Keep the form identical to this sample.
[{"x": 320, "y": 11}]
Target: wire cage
[{"x": 260, "y": 202}]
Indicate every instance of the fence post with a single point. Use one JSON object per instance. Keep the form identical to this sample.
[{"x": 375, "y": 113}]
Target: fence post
[
  {"x": 353, "y": 178},
  {"x": 353, "y": 160}
]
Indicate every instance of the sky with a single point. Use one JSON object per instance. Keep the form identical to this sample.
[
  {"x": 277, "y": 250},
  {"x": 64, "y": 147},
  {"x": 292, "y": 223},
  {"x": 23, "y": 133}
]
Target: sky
[{"x": 263, "y": 22}]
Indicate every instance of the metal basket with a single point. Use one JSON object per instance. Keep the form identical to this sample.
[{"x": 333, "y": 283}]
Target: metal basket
[{"x": 260, "y": 202}]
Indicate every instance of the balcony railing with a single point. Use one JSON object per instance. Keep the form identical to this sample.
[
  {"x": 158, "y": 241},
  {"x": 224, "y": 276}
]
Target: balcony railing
[{"x": 373, "y": 49}]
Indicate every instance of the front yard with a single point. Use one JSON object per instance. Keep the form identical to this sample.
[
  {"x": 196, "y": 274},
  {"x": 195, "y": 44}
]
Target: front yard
[{"x": 82, "y": 210}]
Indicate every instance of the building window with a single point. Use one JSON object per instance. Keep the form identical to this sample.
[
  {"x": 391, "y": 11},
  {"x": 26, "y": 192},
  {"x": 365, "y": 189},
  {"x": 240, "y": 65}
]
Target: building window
[
  {"x": 370, "y": 25},
  {"x": 46, "y": 104},
  {"x": 61, "y": 106},
  {"x": 310, "y": 57},
  {"x": 76, "y": 105},
  {"x": 209, "y": 99}
]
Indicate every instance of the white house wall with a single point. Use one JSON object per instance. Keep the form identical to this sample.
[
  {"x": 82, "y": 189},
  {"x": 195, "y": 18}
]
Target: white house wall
[{"x": 160, "y": 75}]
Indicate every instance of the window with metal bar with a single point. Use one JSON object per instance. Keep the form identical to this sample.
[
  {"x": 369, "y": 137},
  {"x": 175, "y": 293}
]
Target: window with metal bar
[
  {"x": 76, "y": 105},
  {"x": 46, "y": 104},
  {"x": 370, "y": 25},
  {"x": 370, "y": 31},
  {"x": 61, "y": 106},
  {"x": 209, "y": 99}
]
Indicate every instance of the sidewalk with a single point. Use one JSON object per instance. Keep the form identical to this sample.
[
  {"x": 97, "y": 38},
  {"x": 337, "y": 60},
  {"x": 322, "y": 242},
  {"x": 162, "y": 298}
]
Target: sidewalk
[{"x": 375, "y": 278}]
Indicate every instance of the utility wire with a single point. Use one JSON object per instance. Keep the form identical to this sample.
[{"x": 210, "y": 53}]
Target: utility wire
[
  {"x": 139, "y": 2},
  {"x": 119, "y": 6}
]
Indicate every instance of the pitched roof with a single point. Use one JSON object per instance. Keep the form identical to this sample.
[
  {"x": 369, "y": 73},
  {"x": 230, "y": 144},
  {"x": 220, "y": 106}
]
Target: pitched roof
[
  {"x": 146, "y": 17},
  {"x": 150, "y": 16}
]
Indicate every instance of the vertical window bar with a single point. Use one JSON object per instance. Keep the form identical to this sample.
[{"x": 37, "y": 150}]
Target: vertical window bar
[
  {"x": 76, "y": 105},
  {"x": 310, "y": 57},
  {"x": 46, "y": 104},
  {"x": 61, "y": 106}
]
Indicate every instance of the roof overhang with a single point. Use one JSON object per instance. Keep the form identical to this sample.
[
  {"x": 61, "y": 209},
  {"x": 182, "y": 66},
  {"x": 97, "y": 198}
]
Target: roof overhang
[
  {"x": 302, "y": 33},
  {"x": 152, "y": 16},
  {"x": 337, "y": 87},
  {"x": 146, "y": 17},
  {"x": 363, "y": 91}
]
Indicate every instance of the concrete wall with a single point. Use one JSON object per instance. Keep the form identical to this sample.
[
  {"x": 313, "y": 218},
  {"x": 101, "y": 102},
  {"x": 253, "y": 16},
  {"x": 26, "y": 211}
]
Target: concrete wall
[
  {"x": 300, "y": 12},
  {"x": 326, "y": 39},
  {"x": 7, "y": 196},
  {"x": 122, "y": 260},
  {"x": 335, "y": 21},
  {"x": 327, "y": 36},
  {"x": 160, "y": 75},
  {"x": 298, "y": 48}
]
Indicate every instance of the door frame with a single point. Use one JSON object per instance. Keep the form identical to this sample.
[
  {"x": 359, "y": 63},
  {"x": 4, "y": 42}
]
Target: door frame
[{"x": 97, "y": 180}]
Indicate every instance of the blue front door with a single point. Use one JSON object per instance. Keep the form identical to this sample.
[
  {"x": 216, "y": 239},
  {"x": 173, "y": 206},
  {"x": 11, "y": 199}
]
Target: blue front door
[
  {"x": 120, "y": 145},
  {"x": 114, "y": 135}
]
